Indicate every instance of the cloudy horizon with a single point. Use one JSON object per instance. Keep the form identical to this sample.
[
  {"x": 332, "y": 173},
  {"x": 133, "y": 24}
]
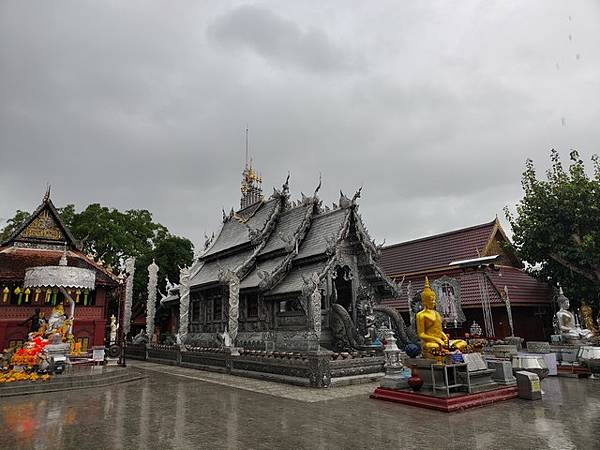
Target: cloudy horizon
[{"x": 431, "y": 107}]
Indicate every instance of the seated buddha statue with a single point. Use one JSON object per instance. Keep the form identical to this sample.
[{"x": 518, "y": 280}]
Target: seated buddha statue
[
  {"x": 429, "y": 326},
  {"x": 568, "y": 328}
]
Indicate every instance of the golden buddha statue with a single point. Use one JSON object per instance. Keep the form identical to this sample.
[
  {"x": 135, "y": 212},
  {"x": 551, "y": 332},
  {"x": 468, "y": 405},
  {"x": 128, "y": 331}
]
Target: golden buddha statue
[{"x": 429, "y": 326}]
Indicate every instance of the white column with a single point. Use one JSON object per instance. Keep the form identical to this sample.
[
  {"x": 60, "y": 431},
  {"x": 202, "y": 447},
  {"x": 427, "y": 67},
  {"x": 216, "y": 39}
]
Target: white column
[
  {"x": 184, "y": 303},
  {"x": 130, "y": 269},
  {"x": 151, "y": 302}
]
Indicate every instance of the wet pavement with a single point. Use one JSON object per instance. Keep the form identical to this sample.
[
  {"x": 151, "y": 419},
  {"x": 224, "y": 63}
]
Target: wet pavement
[{"x": 189, "y": 409}]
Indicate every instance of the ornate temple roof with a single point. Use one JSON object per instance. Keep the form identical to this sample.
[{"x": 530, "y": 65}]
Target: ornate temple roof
[
  {"x": 322, "y": 233},
  {"x": 294, "y": 281},
  {"x": 43, "y": 227},
  {"x": 234, "y": 231},
  {"x": 274, "y": 244}
]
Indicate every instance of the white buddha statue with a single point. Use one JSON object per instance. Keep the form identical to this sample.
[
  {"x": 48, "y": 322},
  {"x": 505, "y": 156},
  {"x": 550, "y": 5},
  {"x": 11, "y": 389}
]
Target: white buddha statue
[{"x": 569, "y": 329}]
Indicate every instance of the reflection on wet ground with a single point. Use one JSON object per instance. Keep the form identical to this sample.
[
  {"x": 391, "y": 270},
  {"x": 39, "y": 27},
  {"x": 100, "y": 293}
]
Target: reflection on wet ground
[{"x": 179, "y": 410}]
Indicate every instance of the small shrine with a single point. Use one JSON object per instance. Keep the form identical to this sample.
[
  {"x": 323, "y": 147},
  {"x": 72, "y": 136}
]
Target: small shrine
[
  {"x": 450, "y": 373},
  {"x": 41, "y": 241},
  {"x": 51, "y": 342}
]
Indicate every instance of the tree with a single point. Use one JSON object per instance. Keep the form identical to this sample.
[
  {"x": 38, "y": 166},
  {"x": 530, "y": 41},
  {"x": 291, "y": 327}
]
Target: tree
[
  {"x": 14, "y": 223},
  {"x": 557, "y": 227},
  {"x": 170, "y": 254}
]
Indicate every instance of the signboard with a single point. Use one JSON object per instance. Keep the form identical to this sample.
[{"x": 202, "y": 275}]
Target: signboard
[{"x": 98, "y": 354}]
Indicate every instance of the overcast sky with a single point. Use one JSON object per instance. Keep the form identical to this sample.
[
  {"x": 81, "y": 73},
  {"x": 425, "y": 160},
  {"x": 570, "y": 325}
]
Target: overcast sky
[{"x": 432, "y": 106}]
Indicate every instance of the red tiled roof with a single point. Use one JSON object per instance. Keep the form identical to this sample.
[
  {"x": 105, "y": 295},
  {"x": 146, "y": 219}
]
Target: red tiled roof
[
  {"x": 14, "y": 261},
  {"x": 436, "y": 251},
  {"x": 522, "y": 287}
]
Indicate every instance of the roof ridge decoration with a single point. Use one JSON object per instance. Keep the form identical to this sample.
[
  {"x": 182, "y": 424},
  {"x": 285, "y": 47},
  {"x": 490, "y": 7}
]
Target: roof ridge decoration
[
  {"x": 511, "y": 254},
  {"x": 243, "y": 220},
  {"x": 284, "y": 193},
  {"x": 372, "y": 252},
  {"x": 42, "y": 230},
  {"x": 259, "y": 239},
  {"x": 293, "y": 244}
]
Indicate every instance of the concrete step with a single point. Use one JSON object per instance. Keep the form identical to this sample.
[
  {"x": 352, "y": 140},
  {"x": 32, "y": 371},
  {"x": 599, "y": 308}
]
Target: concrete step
[{"x": 70, "y": 382}]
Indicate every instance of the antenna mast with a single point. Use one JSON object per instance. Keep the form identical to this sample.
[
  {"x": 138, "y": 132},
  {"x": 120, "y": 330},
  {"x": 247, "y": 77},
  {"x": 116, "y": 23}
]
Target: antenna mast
[{"x": 246, "y": 166}]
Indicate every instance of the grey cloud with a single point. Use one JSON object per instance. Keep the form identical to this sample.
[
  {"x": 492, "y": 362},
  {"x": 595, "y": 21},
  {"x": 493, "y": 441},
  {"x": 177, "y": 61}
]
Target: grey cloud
[
  {"x": 278, "y": 40},
  {"x": 433, "y": 109}
]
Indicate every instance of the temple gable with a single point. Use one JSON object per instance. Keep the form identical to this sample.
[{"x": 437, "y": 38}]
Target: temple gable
[{"x": 43, "y": 229}]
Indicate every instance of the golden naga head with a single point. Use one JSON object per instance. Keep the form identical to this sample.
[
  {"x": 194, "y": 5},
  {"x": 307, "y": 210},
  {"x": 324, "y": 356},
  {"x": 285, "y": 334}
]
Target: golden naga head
[{"x": 428, "y": 296}]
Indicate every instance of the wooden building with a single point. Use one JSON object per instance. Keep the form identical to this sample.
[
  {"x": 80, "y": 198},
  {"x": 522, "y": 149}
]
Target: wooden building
[
  {"x": 530, "y": 299},
  {"x": 41, "y": 241}
]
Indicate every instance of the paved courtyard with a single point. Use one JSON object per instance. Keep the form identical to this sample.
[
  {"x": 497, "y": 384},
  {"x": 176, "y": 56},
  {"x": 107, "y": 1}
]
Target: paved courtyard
[{"x": 189, "y": 409}]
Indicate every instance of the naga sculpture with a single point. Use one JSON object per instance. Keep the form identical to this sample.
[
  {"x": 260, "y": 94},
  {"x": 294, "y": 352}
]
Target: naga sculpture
[
  {"x": 344, "y": 332},
  {"x": 403, "y": 333}
]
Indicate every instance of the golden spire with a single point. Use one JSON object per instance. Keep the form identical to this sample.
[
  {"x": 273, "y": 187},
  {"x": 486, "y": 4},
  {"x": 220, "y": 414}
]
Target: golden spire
[{"x": 251, "y": 186}]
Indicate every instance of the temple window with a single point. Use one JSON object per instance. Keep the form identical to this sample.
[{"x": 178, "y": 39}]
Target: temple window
[
  {"x": 343, "y": 287},
  {"x": 290, "y": 305},
  {"x": 195, "y": 310},
  {"x": 252, "y": 306},
  {"x": 217, "y": 302}
]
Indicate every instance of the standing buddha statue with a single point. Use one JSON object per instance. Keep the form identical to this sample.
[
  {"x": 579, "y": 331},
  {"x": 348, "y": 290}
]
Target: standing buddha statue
[{"x": 429, "y": 326}]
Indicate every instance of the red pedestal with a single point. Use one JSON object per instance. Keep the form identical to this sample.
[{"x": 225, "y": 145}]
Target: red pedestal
[
  {"x": 446, "y": 404},
  {"x": 573, "y": 371}
]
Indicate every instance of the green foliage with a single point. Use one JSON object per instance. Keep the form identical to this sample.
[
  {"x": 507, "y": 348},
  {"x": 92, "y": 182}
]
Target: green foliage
[
  {"x": 13, "y": 224},
  {"x": 557, "y": 227}
]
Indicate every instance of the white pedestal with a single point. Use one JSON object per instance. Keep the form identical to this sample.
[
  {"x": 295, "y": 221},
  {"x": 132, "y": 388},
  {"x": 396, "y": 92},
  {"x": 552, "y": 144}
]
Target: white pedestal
[{"x": 550, "y": 359}]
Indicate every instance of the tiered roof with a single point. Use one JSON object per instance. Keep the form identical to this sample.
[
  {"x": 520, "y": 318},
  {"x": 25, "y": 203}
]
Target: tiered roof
[{"x": 274, "y": 246}]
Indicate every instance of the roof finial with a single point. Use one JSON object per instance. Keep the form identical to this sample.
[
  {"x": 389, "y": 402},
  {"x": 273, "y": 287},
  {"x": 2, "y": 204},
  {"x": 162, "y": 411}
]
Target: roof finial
[
  {"x": 318, "y": 186},
  {"x": 47, "y": 194}
]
